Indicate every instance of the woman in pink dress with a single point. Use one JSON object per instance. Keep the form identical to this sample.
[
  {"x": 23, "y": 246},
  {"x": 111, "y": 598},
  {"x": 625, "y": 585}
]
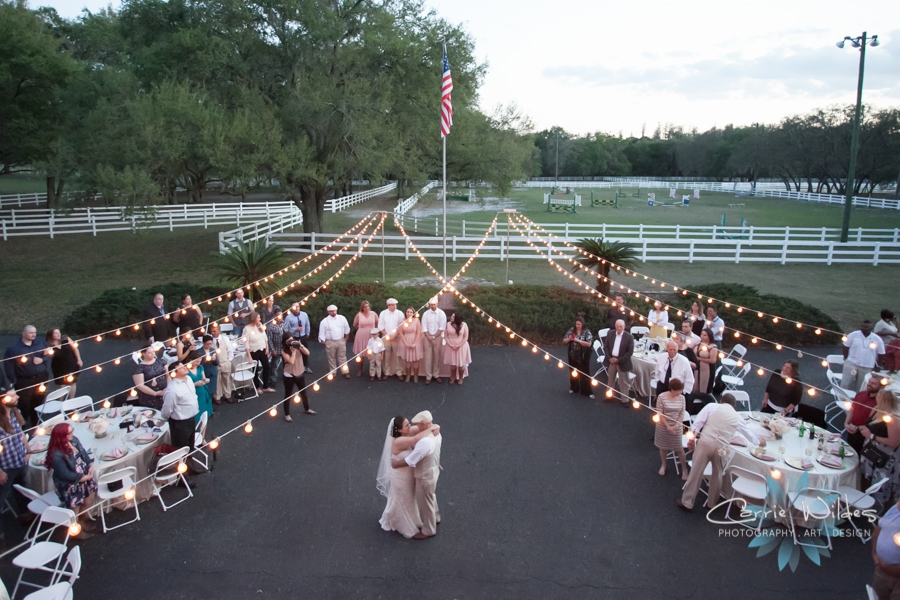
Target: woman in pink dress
[
  {"x": 456, "y": 353},
  {"x": 411, "y": 348},
  {"x": 363, "y": 323}
]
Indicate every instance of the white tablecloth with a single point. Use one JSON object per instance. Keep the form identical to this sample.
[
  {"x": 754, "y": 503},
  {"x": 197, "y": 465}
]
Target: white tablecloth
[
  {"x": 139, "y": 455},
  {"x": 643, "y": 366}
]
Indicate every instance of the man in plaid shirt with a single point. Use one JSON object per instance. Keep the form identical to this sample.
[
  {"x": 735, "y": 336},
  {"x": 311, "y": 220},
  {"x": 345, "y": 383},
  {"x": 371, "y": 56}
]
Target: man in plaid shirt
[
  {"x": 13, "y": 457},
  {"x": 274, "y": 331}
]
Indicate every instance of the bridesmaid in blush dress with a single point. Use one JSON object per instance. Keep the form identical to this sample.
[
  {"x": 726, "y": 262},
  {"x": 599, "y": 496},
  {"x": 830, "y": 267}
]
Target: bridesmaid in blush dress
[
  {"x": 708, "y": 355},
  {"x": 363, "y": 323},
  {"x": 411, "y": 348},
  {"x": 399, "y": 485},
  {"x": 456, "y": 353}
]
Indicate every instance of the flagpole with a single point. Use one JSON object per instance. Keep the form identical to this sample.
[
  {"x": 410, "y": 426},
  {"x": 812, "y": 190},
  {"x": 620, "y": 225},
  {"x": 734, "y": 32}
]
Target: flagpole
[{"x": 445, "y": 206}]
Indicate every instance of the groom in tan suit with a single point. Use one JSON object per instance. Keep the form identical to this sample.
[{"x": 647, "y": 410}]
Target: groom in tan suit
[{"x": 426, "y": 462}]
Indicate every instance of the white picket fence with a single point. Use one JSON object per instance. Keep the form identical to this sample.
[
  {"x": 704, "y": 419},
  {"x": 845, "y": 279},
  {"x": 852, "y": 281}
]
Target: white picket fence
[
  {"x": 338, "y": 204},
  {"x": 684, "y": 250},
  {"x": 39, "y": 221},
  {"x": 260, "y": 229},
  {"x": 404, "y": 205}
]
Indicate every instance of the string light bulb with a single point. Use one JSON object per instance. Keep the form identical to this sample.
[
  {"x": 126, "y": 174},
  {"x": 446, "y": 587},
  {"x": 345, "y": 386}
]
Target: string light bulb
[
  {"x": 74, "y": 529},
  {"x": 273, "y": 412},
  {"x": 775, "y": 473},
  {"x": 316, "y": 387},
  {"x": 635, "y": 404},
  {"x": 248, "y": 428},
  {"x": 129, "y": 494},
  {"x": 214, "y": 444},
  {"x": 182, "y": 468},
  {"x": 656, "y": 417}
]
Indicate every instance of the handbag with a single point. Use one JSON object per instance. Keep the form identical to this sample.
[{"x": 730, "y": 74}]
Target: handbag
[{"x": 874, "y": 455}]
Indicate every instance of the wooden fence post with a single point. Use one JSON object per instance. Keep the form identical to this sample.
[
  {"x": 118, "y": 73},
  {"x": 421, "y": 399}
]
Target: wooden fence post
[
  {"x": 784, "y": 249},
  {"x": 691, "y": 254},
  {"x": 830, "y": 253},
  {"x": 171, "y": 228},
  {"x": 644, "y": 252},
  {"x": 877, "y": 252},
  {"x": 737, "y": 253},
  {"x": 464, "y": 231}
]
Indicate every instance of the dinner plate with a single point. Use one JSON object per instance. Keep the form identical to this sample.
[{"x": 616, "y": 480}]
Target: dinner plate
[
  {"x": 148, "y": 413},
  {"x": 106, "y": 458},
  {"x": 797, "y": 463},
  {"x": 37, "y": 460},
  {"x": 766, "y": 458},
  {"x": 140, "y": 442},
  {"x": 830, "y": 466},
  {"x": 848, "y": 451},
  {"x": 39, "y": 446}
]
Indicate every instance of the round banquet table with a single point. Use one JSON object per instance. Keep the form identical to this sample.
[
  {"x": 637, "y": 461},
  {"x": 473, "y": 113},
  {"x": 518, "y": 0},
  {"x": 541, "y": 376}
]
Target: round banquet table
[
  {"x": 820, "y": 476},
  {"x": 643, "y": 365},
  {"x": 139, "y": 456}
]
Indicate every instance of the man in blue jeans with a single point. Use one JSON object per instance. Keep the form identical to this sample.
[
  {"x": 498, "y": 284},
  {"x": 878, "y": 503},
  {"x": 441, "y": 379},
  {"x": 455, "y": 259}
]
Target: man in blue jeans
[
  {"x": 886, "y": 554},
  {"x": 13, "y": 458}
]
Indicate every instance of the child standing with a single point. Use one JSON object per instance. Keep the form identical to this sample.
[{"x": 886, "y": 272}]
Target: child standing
[{"x": 374, "y": 349}]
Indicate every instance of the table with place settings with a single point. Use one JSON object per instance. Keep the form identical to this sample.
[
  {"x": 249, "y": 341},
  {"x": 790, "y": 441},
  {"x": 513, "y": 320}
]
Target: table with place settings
[
  {"x": 643, "y": 364},
  {"x": 118, "y": 449}
]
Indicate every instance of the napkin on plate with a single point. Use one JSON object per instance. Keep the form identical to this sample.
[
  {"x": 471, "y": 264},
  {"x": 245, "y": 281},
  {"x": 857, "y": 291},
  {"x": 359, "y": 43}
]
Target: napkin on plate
[
  {"x": 837, "y": 450},
  {"x": 148, "y": 413},
  {"x": 88, "y": 415},
  {"x": 114, "y": 453},
  {"x": 145, "y": 437},
  {"x": 830, "y": 461},
  {"x": 767, "y": 458},
  {"x": 113, "y": 413},
  {"x": 791, "y": 421},
  {"x": 38, "y": 446},
  {"x": 833, "y": 437},
  {"x": 738, "y": 441},
  {"x": 805, "y": 463}
]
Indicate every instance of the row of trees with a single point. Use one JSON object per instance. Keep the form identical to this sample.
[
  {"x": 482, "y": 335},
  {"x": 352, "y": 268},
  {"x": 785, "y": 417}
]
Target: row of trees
[
  {"x": 798, "y": 150},
  {"x": 303, "y": 95}
]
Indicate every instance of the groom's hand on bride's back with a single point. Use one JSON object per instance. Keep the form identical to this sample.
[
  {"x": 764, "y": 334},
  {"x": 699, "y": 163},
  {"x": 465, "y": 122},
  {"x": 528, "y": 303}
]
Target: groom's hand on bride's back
[{"x": 436, "y": 429}]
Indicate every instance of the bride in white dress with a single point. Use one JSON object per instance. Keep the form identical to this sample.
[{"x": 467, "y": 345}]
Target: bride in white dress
[{"x": 399, "y": 485}]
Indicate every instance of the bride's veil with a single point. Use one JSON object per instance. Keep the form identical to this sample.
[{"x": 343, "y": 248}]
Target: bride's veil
[{"x": 383, "y": 477}]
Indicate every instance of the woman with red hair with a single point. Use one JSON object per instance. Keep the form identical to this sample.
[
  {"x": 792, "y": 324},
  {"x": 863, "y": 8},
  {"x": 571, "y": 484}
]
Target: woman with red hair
[{"x": 73, "y": 475}]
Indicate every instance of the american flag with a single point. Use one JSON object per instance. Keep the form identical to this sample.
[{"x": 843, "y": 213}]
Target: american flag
[{"x": 446, "y": 104}]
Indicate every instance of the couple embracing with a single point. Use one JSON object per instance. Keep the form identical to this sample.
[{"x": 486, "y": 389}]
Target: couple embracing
[{"x": 408, "y": 475}]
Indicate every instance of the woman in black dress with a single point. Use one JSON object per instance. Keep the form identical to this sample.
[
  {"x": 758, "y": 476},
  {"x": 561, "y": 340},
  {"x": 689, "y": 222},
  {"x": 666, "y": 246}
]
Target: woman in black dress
[
  {"x": 188, "y": 317},
  {"x": 66, "y": 360},
  {"x": 695, "y": 316},
  {"x": 579, "y": 340},
  {"x": 784, "y": 391},
  {"x": 150, "y": 379}
]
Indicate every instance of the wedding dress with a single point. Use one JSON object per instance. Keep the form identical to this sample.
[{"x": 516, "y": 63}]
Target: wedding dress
[{"x": 399, "y": 486}]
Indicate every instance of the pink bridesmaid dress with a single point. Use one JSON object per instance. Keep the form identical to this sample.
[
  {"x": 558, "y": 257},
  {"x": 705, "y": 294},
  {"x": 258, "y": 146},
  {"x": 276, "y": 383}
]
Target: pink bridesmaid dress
[{"x": 365, "y": 325}]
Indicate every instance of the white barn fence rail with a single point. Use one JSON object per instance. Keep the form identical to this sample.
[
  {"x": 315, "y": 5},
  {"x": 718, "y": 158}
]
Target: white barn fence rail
[{"x": 338, "y": 204}]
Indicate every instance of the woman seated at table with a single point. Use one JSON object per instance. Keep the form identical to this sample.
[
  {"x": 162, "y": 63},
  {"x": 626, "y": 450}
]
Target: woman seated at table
[
  {"x": 670, "y": 408},
  {"x": 885, "y": 437},
  {"x": 73, "y": 475},
  {"x": 784, "y": 391},
  {"x": 657, "y": 320},
  {"x": 150, "y": 379}
]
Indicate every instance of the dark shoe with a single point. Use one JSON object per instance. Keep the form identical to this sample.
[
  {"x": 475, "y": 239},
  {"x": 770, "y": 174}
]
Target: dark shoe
[
  {"x": 229, "y": 400},
  {"x": 346, "y": 376},
  {"x": 371, "y": 379},
  {"x": 217, "y": 400},
  {"x": 438, "y": 380},
  {"x": 682, "y": 506},
  {"x": 427, "y": 382},
  {"x": 421, "y": 536}
]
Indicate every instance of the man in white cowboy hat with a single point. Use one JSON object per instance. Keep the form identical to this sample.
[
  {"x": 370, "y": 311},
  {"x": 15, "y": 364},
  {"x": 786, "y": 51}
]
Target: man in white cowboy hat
[
  {"x": 334, "y": 332},
  {"x": 389, "y": 322},
  {"x": 426, "y": 462},
  {"x": 434, "y": 322}
]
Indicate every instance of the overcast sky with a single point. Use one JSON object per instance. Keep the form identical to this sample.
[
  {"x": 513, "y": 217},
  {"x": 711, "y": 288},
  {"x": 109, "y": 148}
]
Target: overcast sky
[{"x": 616, "y": 66}]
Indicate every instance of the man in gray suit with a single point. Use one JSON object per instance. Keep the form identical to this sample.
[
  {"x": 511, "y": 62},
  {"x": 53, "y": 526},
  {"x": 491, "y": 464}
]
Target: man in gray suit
[
  {"x": 426, "y": 462},
  {"x": 618, "y": 347}
]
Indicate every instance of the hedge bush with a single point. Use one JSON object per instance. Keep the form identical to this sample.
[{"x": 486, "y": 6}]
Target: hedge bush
[{"x": 540, "y": 313}]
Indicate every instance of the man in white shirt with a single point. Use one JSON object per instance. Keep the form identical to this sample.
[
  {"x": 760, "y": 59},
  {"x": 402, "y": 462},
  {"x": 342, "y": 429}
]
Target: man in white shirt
[
  {"x": 425, "y": 459},
  {"x": 180, "y": 406},
  {"x": 715, "y": 323},
  {"x": 389, "y": 322},
  {"x": 225, "y": 351},
  {"x": 672, "y": 365},
  {"x": 239, "y": 309},
  {"x": 618, "y": 348},
  {"x": 716, "y": 424},
  {"x": 334, "y": 332},
  {"x": 862, "y": 351},
  {"x": 434, "y": 322}
]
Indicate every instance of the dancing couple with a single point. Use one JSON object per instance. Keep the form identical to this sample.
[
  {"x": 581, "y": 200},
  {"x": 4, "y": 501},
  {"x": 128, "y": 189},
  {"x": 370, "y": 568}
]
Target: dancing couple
[{"x": 408, "y": 475}]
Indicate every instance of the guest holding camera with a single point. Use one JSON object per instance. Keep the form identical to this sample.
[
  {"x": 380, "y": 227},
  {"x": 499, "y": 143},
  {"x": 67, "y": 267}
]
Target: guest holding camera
[{"x": 292, "y": 351}]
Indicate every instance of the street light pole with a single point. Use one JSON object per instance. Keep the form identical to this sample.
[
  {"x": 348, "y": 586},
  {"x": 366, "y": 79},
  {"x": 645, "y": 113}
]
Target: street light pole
[{"x": 861, "y": 43}]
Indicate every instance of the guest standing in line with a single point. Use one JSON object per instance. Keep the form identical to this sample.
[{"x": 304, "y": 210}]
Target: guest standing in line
[
  {"x": 66, "y": 360},
  {"x": 715, "y": 323},
  {"x": 27, "y": 371},
  {"x": 672, "y": 365},
  {"x": 294, "y": 374},
  {"x": 225, "y": 352},
  {"x": 297, "y": 323},
  {"x": 670, "y": 427},
  {"x": 578, "y": 338},
  {"x": 389, "y": 322},
  {"x": 13, "y": 459},
  {"x": 457, "y": 354},
  {"x": 210, "y": 366},
  {"x": 239, "y": 310},
  {"x": 334, "y": 331},
  {"x": 887, "y": 330},
  {"x": 784, "y": 390},
  {"x": 268, "y": 314},
  {"x": 274, "y": 332},
  {"x": 695, "y": 316},
  {"x": 188, "y": 317},
  {"x": 375, "y": 352},
  {"x": 617, "y": 311},
  {"x": 618, "y": 349},
  {"x": 180, "y": 407},
  {"x": 434, "y": 322},
  {"x": 197, "y": 374},
  {"x": 150, "y": 379},
  {"x": 363, "y": 323},
  {"x": 257, "y": 347},
  {"x": 707, "y": 358},
  {"x": 657, "y": 320},
  {"x": 863, "y": 350},
  {"x": 410, "y": 348},
  {"x": 156, "y": 327}
]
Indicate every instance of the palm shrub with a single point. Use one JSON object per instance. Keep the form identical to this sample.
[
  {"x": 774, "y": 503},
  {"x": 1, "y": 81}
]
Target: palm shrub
[
  {"x": 600, "y": 253},
  {"x": 247, "y": 263}
]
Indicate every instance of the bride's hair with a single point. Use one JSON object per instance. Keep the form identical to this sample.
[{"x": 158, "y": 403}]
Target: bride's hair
[{"x": 398, "y": 425}]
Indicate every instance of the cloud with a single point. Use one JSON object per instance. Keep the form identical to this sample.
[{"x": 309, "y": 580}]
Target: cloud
[{"x": 820, "y": 71}]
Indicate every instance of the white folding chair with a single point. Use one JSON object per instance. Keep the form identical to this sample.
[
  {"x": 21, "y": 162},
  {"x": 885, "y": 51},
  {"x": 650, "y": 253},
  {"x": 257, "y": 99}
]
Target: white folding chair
[
  {"x": 58, "y": 591},
  {"x": 833, "y": 378},
  {"x": 601, "y": 335},
  {"x": 40, "y": 554},
  {"x": 76, "y": 404},
  {"x": 53, "y": 402},
  {"x": 126, "y": 476},
  {"x": 640, "y": 330},
  {"x": 243, "y": 378},
  {"x": 707, "y": 473},
  {"x": 167, "y": 473},
  {"x": 731, "y": 361},
  {"x": 838, "y": 406},
  {"x": 37, "y": 504},
  {"x": 670, "y": 327},
  {"x": 598, "y": 354},
  {"x": 870, "y": 593},
  {"x": 71, "y": 570},
  {"x": 749, "y": 485},
  {"x": 860, "y": 501},
  {"x": 49, "y": 424},
  {"x": 813, "y": 507},
  {"x": 733, "y": 382},
  {"x": 741, "y": 397},
  {"x": 200, "y": 440},
  {"x": 835, "y": 361},
  {"x": 226, "y": 327}
]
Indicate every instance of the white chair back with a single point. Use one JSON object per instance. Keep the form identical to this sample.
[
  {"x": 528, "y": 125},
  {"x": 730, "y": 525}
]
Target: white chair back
[
  {"x": 27, "y": 492},
  {"x": 77, "y": 403},
  {"x": 48, "y": 408},
  {"x": 639, "y": 330},
  {"x": 58, "y": 516},
  {"x": 741, "y": 397},
  {"x": 49, "y": 424},
  {"x": 73, "y": 566},
  {"x": 61, "y": 394},
  {"x": 875, "y": 487},
  {"x": 170, "y": 459},
  {"x": 738, "y": 351},
  {"x": 834, "y": 359},
  {"x": 202, "y": 423},
  {"x": 118, "y": 475},
  {"x": 602, "y": 333}
]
